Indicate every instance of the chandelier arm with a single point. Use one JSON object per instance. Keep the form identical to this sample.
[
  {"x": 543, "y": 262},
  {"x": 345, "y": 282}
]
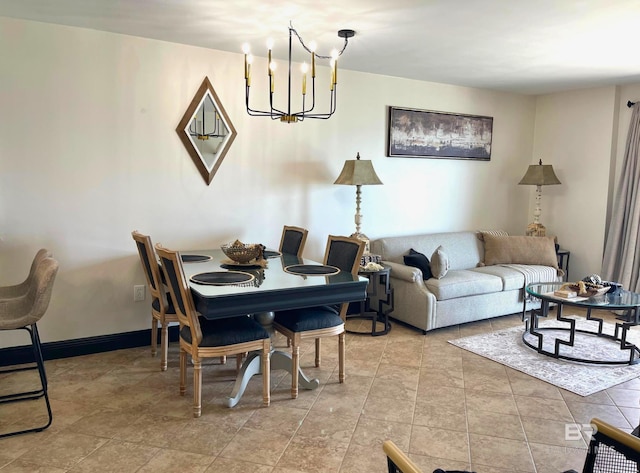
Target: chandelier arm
[
  {"x": 313, "y": 99},
  {"x": 289, "y": 82},
  {"x": 278, "y": 111},
  {"x": 251, "y": 111}
]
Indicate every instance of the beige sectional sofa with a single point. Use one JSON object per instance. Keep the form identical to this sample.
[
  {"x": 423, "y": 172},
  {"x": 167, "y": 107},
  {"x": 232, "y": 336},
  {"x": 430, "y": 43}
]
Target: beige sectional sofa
[{"x": 469, "y": 290}]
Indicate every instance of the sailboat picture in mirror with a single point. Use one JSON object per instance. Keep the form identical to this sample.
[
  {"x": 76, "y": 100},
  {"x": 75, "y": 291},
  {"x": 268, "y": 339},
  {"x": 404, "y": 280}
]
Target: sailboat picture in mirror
[{"x": 206, "y": 131}]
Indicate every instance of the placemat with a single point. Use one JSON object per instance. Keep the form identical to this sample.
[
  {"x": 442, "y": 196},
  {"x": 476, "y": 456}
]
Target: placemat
[
  {"x": 222, "y": 278},
  {"x": 195, "y": 258},
  {"x": 312, "y": 269},
  {"x": 271, "y": 253}
]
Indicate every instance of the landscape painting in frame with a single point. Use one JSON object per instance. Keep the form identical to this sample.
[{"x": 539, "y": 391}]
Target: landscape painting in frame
[{"x": 429, "y": 134}]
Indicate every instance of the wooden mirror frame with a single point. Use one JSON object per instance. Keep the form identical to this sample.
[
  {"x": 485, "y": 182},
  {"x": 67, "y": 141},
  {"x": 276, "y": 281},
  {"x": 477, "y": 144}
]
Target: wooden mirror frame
[{"x": 194, "y": 107}]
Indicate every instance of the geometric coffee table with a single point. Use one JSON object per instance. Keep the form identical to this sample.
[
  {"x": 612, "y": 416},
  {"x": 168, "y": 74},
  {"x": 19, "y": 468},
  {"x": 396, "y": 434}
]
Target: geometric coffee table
[{"x": 568, "y": 335}]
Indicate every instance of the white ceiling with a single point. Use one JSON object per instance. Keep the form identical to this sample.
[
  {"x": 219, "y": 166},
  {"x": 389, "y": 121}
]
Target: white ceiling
[{"x": 530, "y": 47}]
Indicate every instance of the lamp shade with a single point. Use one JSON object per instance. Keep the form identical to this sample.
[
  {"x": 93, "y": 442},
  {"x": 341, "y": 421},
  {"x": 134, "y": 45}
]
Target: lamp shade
[
  {"x": 540, "y": 175},
  {"x": 358, "y": 172}
]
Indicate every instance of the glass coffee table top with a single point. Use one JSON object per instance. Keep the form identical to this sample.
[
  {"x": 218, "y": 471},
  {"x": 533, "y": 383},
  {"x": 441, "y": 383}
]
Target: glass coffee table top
[{"x": 620, "y": 299}]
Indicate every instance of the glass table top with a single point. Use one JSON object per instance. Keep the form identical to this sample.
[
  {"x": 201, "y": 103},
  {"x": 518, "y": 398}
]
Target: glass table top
[
  {"x": 271, "y": 278},
  {"x": 621, "y": 299}
]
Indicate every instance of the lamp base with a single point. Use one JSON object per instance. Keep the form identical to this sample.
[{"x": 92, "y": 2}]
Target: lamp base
[
  {"x": 536, "y": 229},
  {"x": 365, "y": 238}
]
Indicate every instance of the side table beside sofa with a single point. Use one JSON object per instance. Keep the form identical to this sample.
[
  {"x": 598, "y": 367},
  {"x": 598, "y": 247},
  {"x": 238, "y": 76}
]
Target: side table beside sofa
[{"x": 378, "y": 304}]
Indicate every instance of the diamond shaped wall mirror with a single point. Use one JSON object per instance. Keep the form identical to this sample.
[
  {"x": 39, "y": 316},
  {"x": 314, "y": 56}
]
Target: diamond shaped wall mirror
[{"x": 206, "y": 131}]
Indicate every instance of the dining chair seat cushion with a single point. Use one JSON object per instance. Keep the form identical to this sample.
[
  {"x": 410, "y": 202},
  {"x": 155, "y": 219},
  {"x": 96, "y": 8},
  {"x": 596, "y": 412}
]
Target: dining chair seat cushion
[
  {"x": 169, "y": 310},
  {"x": 227, "y": 331},
  {"x": 311, "y": 318}
]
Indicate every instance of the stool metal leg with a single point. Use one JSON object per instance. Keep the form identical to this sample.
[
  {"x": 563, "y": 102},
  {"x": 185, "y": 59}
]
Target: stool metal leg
[{"x": 31, "y": 395}]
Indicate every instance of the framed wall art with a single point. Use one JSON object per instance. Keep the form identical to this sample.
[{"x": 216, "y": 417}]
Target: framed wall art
[{"x": 429, "y": 134}]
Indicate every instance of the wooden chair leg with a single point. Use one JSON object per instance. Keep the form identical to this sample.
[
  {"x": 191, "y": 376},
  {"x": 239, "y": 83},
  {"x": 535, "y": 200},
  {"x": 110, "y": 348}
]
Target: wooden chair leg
[
  {"x": 341, "y": 353},
  {"x": 183, "y": 371},
  {"x": 266, "y": 374},
  {"x": 154, "y": 336},
  {"x": 197, "y": 387},
  {"x": 295, "y": 366},
  {"x": 164, "y": 346},
  {"x": 317, "y": 352},
  {"x": 223, "y": 360},
  {"x": 239, "y": 360}
]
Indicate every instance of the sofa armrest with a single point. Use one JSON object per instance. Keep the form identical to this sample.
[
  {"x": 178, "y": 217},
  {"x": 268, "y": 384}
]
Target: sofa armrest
[
  {"x": 414, "y": 303},
  {"x": 404, "y": 272}
]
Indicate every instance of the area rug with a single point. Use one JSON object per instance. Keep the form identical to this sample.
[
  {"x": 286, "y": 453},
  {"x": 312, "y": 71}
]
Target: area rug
[{"x": 506, "y": 347}]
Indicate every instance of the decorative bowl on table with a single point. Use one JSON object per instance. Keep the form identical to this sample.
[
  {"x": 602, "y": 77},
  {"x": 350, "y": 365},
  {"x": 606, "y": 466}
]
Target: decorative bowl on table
[
  {"x": 242, "y": 253},
  {"x": 583, "y": 289}
]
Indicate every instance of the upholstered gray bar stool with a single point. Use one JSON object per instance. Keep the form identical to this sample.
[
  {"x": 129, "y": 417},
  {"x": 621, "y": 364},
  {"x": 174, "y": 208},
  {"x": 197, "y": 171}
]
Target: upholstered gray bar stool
[
  {"x": 17, "y": 290},
  {"x": 23, "y": 313}
]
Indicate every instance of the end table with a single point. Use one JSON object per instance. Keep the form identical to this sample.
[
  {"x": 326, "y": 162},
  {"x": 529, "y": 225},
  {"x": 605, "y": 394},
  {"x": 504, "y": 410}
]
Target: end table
[
  {"x": 379, "y": 291},
  {"x": 563, "y": 261}
]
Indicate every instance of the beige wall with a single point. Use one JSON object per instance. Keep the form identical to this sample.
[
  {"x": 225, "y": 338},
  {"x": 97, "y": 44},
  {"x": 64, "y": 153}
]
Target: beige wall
[
  {"x": 88, "y": 153},
  {"x": 574, "y": 132}
]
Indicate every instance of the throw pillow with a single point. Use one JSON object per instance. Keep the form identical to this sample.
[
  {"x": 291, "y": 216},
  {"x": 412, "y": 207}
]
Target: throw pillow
[
  {"x": 420, "y": 261},
  {"x": 481, "y": 233},
  {"x": 439, "y": 263},
  {"x": 520, "y": 250}
]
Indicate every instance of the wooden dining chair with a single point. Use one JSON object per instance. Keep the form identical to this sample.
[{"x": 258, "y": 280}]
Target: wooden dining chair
[
  {"x": 162, "y": 311},
  {"x": 18, "y": 290},
  {"x": 202, "y": 338},
  {"x": 610, "y": 450},
  {"x": 322, "y": 321},
  {"x": 293, "y": 240},
  {"x": 397, "y": 460}
]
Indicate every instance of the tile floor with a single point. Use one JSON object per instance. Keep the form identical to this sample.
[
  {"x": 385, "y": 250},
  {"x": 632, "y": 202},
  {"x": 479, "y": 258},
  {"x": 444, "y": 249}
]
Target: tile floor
[{"x": 448, "y": 408}]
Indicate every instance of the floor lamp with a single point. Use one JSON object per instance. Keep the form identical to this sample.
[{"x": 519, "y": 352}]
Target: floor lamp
[
  {"x": 538, "y": 175},
  {"x": 358, "y": 172}
]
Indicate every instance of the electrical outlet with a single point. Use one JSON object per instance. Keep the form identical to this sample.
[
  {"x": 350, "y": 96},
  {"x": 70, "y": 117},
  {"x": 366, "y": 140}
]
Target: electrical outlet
[{"x": 138, "y": 293}]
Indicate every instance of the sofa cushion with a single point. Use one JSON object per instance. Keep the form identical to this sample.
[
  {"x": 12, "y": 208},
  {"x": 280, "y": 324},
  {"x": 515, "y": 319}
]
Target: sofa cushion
[
  {"x": 520, "y": 250},
  {"x": 420, "y": 261},
  {"x": 462, "y": 282},
  {"x": 511, "y": 278},
  {"x": 439, "y": 263}
]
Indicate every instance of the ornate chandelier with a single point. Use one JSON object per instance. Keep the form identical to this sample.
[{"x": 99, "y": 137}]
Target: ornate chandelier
[{"x": 287, "y": 115}]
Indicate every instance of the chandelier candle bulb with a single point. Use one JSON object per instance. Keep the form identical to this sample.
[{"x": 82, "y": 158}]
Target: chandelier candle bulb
[
  {"x": 332, "y": 64},
  {"x": 312, "y": 48},
  {"x": 304, "y": 78},
  {"x": 272, "y": 69},
  {"x": 245, "y": 50},
  {"x": 335, "y": 72},
  {"x": 249, "y": 61}
]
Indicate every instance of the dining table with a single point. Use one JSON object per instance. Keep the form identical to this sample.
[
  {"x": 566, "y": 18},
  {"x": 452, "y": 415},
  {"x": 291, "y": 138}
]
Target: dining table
[{"x": 222, "y": 288}]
